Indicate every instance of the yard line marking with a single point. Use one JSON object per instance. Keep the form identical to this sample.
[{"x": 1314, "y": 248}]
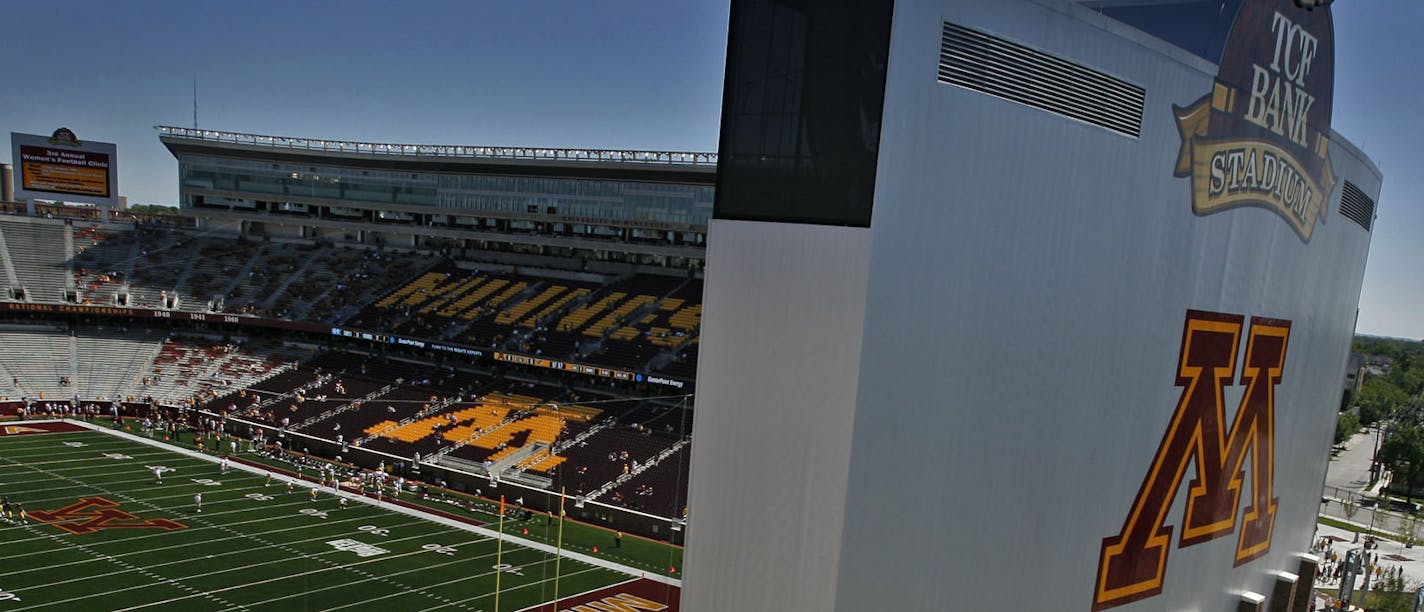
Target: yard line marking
[
  {"x": 575, "y": 595},
  {"x": 304, "y": 525},
  {"x": 111, "y": 463},
  {"x": 190, "y": 544},
  {"x": 141, "y": 571},
  {"x": 269, "y": 580},
  {"x": 173, "y": 487},
  {"x": 92, "y": 444},
  {"x": 383, "y": 578},
  {"x": 132, "y": 568},
  {"x": 459, "y": 602},
  {"x": 196, "y": 519}
]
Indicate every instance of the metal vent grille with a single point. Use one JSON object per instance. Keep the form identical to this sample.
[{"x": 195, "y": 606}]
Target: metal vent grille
[
  {"x": 1356, "y": 206},
  {"x": 988, "y": 64}
]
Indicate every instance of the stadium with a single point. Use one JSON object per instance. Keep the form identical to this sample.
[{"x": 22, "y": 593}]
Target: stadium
[
  {"x": 485, "y": 323},
  {"x": 1040, "y": 303}
]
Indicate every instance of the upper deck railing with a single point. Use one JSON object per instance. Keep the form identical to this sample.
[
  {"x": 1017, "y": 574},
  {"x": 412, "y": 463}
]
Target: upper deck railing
[{"x": 671, "y": 158}]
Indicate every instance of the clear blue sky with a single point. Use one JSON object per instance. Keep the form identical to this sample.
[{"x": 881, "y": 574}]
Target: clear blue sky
[{"x": 574, "y": 73}]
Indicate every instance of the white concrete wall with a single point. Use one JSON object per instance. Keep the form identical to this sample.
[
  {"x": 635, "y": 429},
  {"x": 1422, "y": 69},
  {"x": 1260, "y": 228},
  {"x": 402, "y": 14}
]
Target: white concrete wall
[{"x": 783, "y": 310}]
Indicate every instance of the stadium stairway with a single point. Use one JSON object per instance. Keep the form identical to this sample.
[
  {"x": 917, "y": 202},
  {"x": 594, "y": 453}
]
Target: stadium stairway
[
  {"x": 281, "y": 290},
  {"x": 12, "y": 280},
  {"x": 242, "y": 273}
]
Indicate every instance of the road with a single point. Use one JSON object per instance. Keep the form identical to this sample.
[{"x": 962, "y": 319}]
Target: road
[
  {"x": 1347, "y": 476},
  {"x": 1350, "y": 469}
]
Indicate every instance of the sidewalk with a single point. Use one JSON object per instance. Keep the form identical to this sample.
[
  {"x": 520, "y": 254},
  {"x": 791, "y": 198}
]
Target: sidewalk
[{"x": 1391, "y": 555}]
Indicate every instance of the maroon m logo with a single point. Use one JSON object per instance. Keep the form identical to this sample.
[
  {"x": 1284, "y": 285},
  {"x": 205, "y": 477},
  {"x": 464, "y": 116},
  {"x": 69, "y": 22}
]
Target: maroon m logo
[
  {"x": 1133, "y": 564},
  {"x": 91, "y": 514}
]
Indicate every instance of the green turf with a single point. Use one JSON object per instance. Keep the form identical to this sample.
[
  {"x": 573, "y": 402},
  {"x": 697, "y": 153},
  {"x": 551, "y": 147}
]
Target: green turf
[
  {"x": 644, "y": 554},
  {"x": 1324, "y": 520},
  {"x": 251, "y": 547}
]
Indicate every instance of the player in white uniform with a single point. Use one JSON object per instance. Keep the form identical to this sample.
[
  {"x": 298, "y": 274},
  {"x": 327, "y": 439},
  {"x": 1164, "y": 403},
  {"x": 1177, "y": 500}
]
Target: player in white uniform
[{"x": 198, "y": 501}]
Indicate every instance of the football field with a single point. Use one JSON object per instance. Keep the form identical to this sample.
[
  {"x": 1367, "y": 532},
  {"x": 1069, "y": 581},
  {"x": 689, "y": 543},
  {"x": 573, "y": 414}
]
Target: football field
[{"x": 102, "y": 534}]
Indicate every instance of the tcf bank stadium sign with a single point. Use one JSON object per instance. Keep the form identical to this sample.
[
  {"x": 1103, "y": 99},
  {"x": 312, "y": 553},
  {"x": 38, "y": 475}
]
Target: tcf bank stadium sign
[{"x": 1260, "y": 137}]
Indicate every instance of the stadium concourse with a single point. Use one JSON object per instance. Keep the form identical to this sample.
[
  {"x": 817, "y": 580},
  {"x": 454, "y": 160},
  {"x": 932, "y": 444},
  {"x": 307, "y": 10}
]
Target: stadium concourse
[{"x": 409, "y": 362}]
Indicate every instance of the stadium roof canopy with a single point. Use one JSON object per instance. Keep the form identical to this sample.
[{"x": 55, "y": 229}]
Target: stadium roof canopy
[{"x": 662, "y": 166}]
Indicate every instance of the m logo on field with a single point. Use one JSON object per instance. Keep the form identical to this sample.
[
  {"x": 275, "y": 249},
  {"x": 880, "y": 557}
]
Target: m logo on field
[
  {"x": 1132, "y": 565},
  {"x": 91, "y": 514},
  {"x": 622, "y": 602}
]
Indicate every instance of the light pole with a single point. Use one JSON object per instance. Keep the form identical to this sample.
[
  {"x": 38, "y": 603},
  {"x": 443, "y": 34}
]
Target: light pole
[{"x": 1375, "y": 472}]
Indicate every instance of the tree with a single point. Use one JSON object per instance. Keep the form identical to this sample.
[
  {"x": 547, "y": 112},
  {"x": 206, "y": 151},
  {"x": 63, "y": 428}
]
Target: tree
[
  {"x": 1378, "y": 399},
  {"x": 153, "y": 209},
  {"x": 1409, "y": 379},
  {"x": 1347, "y": 426},
  {"x": 1403, "y": 453},
  {"x": 1351, "y": 506},
  {"x": 1409, "y": 530}
]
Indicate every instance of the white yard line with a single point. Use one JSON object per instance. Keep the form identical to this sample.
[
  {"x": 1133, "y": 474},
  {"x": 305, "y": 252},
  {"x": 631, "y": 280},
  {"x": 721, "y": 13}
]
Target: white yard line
[
  {"x": 42, "y": 500},
  {"x": 267, "y": 581},
  {"x": 225, "y": 528},
  {"x": 555, "y": 602},
  {"x": 516, "y": 588},
  {"x": 382, "y": 578},
  {"x": 212, "y": 541},
  {"x": 84, "y": 459},
  {"x": 230, "y": 569},
  {"x": 142, "y": 571}
]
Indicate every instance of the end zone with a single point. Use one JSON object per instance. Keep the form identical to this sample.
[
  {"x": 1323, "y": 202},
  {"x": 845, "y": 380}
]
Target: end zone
[
  {"x": 23, "y": 428},
  {"x": 636, "y": 595}
]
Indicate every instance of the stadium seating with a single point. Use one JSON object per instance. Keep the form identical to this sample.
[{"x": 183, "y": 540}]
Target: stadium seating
[
  {"x": 36, "y": 257},
  {"x": 38, "y": 357},
  {"x": 657, "y": 490},
  {"x": 634, "y": 322}
]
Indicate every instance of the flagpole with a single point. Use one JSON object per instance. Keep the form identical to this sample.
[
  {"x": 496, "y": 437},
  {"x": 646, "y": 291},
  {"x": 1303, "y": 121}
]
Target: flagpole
[
  {"x": 499, "y": 554},
  {"x": 559, "y": 547}
]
